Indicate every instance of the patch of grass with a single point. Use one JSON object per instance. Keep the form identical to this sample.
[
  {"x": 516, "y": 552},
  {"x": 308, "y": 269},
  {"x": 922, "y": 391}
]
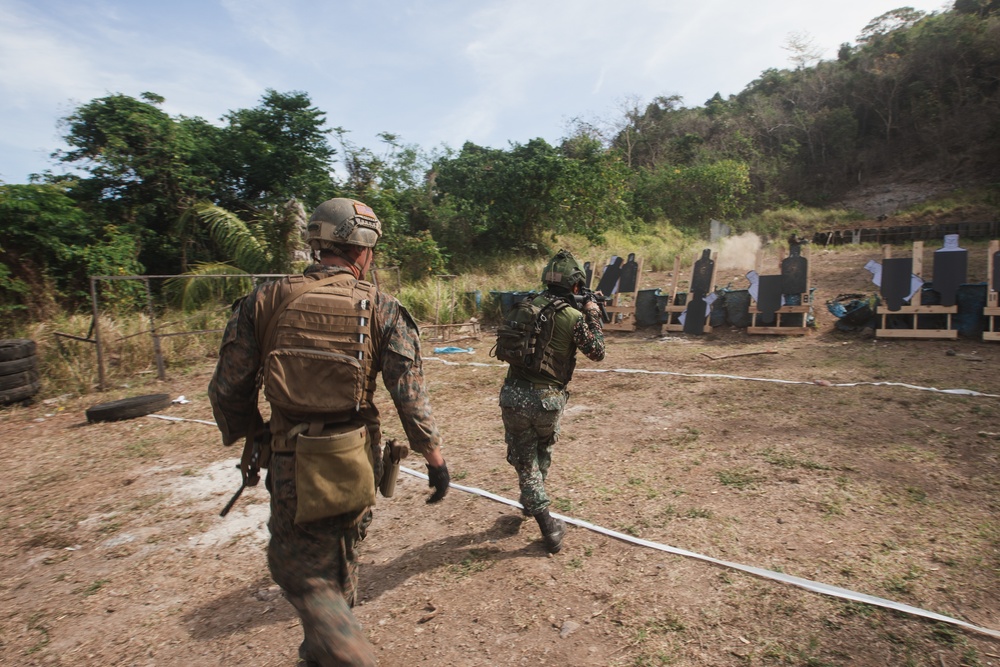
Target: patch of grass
[
  {"x": 698, "y": 513},
  {"x": 92, "y": 588},
  {"x": 562, "y": 505},
  {"x": 944, "y": 634},
  {"x": 109, "y": 527},
  {"x": 902, "y": 584},
  {"x": 35, "y": 623},
  {"x": 142, "y": 449},
  {"x": 739, "y": 478},
  {"x": 458, "y": 476},
  {"x": 147, "y": 501},
  {"x": 476, "y": 560}
]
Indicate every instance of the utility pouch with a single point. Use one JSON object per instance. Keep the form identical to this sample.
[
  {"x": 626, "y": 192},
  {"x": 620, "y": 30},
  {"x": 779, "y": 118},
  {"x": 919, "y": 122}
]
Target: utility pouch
[
  {"x": 391, "y": 456},
  {"x": 333, "y": 473}
]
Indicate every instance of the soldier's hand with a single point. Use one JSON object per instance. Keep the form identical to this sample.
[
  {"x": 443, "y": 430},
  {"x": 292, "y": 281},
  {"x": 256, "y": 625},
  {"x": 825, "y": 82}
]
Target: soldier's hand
[{"x": 438, "y": 479}]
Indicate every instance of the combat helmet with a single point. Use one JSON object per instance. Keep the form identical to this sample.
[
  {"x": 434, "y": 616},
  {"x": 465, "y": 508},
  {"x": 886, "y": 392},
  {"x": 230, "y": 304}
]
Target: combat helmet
[
  {"x": 343, "y": 220},
  {"x": 563, "y": 270}
]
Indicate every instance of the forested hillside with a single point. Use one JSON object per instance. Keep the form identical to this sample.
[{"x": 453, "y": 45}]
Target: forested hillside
[{"x": 158, "y": 194}]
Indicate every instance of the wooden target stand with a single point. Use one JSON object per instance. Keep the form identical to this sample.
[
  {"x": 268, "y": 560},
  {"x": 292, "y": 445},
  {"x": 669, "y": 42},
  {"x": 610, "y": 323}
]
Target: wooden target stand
[
  {"x": 620, "y": 280},
  {"x": 915, "y": 309},
  {"x": 701, "y": 284},
  {"x": 793, "y": 280},
  {"x": 992, "y": 309}
]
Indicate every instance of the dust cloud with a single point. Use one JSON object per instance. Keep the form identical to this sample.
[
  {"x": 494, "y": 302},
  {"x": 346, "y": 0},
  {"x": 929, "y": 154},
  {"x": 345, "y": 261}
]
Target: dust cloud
[{"x": 739, "y": 253}]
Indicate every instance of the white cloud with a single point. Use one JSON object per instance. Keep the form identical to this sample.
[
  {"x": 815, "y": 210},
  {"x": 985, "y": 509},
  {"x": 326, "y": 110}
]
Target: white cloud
[{"x": 434, "y": 71}]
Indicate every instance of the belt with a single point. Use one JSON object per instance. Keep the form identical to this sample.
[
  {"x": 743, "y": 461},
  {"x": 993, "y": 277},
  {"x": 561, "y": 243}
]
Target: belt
[{"x": 524, "y": 384}]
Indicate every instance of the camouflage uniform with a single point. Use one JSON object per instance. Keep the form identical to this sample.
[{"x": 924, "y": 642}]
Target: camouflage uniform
[
  {"x": 532, "y": 405},
  {"x": 316, "y": 564}
]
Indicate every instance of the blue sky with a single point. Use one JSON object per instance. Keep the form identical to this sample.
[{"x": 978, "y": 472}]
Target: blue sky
[{"x": 434, "y": 72}]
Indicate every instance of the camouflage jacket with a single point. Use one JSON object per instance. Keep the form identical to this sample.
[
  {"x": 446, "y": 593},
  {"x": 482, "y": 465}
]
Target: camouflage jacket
[{"x": 233, "y": 388}]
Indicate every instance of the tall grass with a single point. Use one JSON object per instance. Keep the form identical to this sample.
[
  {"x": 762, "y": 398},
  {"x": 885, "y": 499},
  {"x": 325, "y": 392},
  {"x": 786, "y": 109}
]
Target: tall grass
[{"x": 69, "y": 366}]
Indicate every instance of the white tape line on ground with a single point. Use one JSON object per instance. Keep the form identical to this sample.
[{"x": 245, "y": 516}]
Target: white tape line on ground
[
  {"x": 807, "y": 584},
  {"x": 182, "y": 419},
  {"x": 717, "y": 376}
]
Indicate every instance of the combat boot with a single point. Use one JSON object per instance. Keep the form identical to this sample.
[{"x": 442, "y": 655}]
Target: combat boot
[{"x": 552, "y": 531}]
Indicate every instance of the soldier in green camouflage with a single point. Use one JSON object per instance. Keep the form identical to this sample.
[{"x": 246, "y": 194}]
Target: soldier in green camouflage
[
  {"x": 315, "y": 562},
  {"x": 532, "y": 399}
]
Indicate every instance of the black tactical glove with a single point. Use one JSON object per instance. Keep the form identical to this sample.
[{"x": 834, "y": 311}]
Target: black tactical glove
[{"x": 438, "y": 479}]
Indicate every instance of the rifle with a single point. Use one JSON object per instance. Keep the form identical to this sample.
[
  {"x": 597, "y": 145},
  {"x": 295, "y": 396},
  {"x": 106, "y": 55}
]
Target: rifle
[
  {"x": 586, "y": 295},
  {"x": 256, "y": 455}
]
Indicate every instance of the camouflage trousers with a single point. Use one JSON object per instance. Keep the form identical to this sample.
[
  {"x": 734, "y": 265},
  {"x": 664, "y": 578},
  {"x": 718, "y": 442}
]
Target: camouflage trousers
[
  {"x": 316, "y": 566},
  {"x": 531, "y": 428}
]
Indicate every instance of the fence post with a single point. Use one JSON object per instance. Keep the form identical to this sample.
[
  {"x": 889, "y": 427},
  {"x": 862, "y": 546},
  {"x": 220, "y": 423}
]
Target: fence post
[
  {"x": 97, "y": 334},
  {"x": 160, "y": 372}
]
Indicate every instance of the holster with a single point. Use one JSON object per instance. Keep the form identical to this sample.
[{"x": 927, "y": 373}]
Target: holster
[{"x": 392, "y": 454}]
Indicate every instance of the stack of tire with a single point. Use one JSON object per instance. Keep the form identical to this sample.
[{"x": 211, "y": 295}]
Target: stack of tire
[{"x": 19, "y": 379}]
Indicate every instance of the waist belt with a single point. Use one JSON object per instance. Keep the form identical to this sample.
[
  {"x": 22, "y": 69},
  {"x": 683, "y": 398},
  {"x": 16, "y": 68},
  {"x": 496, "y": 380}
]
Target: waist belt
[
  {"x": 284, "y": 443},
  {"x": 524, "y": 384}
]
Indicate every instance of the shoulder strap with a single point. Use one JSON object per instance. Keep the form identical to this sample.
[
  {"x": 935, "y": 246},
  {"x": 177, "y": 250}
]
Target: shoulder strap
[{"x": 296, "y": 293}]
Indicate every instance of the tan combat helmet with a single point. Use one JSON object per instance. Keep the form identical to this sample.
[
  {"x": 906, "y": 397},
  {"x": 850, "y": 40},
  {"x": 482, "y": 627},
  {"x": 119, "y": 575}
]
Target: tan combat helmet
[{"x": 343, "y": 220}]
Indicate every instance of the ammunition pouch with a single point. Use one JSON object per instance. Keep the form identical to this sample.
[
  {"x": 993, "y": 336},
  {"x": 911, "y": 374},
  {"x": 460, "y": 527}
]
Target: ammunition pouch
[{"x": 334, "y": 472}]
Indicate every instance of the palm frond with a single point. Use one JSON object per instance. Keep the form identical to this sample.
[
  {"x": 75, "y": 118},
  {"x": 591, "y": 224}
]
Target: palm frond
[
  {"x": 194, "y": 289},
  {"x": 235, "y": 238}
]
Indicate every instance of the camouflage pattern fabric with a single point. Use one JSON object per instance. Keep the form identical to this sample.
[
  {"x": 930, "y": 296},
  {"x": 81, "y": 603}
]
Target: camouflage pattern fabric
[
  {"x": 316, "y": 565},
  {"x": 531, "y": 412},
  {"x": 531, "y": 428}
]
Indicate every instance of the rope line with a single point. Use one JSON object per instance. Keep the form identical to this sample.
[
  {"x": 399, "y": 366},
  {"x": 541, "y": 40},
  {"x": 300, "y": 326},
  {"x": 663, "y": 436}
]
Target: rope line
[
  {"x": 814, "y": 586},
  {"x": 717, "y": 376}
]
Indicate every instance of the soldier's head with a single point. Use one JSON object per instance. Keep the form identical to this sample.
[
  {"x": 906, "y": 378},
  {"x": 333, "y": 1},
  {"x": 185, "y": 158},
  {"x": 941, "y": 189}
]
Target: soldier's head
[
  {"x": 343, "y": 228},
  {"x": 563, "y": 272}
]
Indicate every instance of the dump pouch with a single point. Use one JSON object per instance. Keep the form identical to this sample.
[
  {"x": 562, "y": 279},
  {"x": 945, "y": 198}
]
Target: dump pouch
[{"x": 333, "y": 473}]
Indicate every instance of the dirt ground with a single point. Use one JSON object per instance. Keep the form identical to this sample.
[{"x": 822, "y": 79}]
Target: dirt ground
[{"x": 112, "y": 551}]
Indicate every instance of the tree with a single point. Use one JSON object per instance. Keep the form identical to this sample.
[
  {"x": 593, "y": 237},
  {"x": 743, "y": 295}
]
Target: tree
[
  {"x": 141, "y": 165},
  {"x": 276, "y": 151},
  {"x": 49, "y": 247}
]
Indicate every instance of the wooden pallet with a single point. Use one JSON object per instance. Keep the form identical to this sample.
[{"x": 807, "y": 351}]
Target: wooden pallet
[
  {"x": 992, "y": 309},
  {"x": 915, "y": 309},
  {"x": 673, "y": 310},
  {"x": 795, "y": 316}
]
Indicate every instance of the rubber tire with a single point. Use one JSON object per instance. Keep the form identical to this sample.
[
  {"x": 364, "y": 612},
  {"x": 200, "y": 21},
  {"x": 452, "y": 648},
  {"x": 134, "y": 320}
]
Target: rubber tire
[
  {"x": 21, "y": 393},
  {"x": 18, "y": 365},
  {"x": 127, "y": 408},
  {"x": 16, "y": 380},
  {"x": 16, "y": 348}
]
